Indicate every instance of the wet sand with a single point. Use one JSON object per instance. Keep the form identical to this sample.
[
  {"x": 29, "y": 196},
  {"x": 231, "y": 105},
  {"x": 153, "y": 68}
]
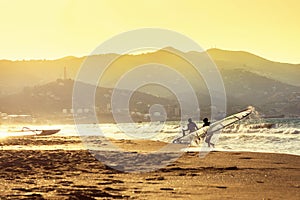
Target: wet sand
[{"x": 62, "y": 174}]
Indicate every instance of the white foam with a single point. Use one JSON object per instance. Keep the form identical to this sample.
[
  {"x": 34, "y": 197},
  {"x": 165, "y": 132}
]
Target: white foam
[{"x": 281, "y": 136}]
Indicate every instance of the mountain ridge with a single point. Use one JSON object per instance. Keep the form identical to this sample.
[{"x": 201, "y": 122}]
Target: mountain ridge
[
  {"x": 248, "y": 79},
  {"x": 32, "y": 72}
]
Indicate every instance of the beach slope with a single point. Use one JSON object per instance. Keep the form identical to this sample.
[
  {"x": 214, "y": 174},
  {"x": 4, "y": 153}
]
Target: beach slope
[{"x": 40, "y": 174}]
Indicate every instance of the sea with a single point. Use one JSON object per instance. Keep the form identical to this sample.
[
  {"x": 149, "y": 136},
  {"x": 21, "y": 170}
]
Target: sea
[{"x": 263, "y": 135}]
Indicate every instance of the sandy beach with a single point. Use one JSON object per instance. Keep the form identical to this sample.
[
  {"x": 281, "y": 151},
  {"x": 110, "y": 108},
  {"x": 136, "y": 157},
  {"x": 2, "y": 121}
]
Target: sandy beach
[{"x": 64, "y": 174}]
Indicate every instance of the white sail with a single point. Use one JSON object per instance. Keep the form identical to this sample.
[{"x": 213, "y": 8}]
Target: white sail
[{"x": 194, "y": 138}]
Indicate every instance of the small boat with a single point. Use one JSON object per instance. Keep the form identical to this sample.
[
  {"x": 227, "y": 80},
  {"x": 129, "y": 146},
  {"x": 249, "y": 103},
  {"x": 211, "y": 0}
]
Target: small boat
[
  {"x": 36, "y": 132},
  {"x": 47, "y": 132}
]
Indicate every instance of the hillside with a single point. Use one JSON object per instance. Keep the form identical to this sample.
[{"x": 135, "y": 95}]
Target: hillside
[
  {"x": 273, "y": 88},
  {"x": 18, "y": 74},
  {"x": 284, "y": 72},
  {"x": 53, "y": 101}
]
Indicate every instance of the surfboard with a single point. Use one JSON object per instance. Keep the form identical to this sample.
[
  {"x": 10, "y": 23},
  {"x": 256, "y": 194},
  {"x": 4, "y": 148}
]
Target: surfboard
[
  {"x": 189, "y": 137},
  {"x": 194, "y": 138}
]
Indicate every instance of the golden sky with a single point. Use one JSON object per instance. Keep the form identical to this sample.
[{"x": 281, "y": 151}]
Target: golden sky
[{"x": 35, "y": 29}]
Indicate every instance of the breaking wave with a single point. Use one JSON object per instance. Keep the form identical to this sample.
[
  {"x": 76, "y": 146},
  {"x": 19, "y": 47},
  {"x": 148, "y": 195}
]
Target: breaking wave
[{"x": 261, "y": 128}]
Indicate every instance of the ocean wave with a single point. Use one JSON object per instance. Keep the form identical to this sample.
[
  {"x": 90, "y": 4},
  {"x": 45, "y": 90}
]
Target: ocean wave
[{"x": 260, "y": 128}]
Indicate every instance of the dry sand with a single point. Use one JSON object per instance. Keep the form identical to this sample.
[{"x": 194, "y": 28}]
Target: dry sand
[{"x": 60, "y": 174}]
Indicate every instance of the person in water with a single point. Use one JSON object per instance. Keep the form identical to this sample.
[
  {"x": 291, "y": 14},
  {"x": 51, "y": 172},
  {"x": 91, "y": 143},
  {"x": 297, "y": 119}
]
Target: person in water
[
  {"x": 206, "y": 122},
  {"x": 191, "y": 127},
  {"x": 208, "y": 135}
]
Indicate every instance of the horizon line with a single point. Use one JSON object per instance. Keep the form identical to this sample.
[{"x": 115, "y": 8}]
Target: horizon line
[{"x": 147, "y": 52}]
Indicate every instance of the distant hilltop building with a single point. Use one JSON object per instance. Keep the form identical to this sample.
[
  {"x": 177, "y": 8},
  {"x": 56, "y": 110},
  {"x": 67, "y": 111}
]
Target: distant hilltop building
[
  {"x": 78, "y": 111},
  {"x": 16, "y": 118}
]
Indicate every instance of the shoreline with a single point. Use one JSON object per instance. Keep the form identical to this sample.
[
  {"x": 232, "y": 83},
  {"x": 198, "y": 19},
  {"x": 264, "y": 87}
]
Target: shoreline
[{"x": 74, "y": 143}]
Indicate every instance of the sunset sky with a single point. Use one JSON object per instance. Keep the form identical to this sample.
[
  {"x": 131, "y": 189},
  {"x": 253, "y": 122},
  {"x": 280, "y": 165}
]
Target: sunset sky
[{"x": 57, "y": 28}]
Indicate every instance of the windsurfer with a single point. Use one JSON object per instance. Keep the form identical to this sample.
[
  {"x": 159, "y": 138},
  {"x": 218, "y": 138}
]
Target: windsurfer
[
  {"x": 208, "y": 135},
  {"x": 191, "y": 126}
]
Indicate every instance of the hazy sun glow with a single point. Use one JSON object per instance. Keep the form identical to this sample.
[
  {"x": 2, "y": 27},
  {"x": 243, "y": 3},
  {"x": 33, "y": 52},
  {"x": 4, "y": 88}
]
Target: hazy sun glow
[
  {"x": 2, "y": 135},
  {"x": 34, "y": 29},
  {"x": 142, "y": 51}
]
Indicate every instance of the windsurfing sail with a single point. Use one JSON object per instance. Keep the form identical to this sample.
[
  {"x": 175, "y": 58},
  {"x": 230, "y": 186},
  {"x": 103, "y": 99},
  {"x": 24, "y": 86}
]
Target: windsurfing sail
[
  {"x": 218, "y": 125},
  {"x": 196, "y": 136}
]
